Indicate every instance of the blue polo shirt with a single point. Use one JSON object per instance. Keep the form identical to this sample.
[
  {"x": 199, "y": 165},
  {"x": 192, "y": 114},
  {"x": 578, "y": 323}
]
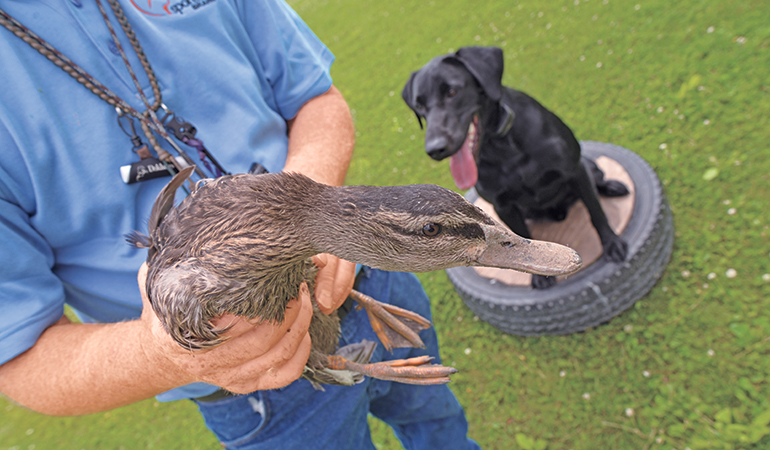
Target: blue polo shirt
[{"x": 237, "y": 70}]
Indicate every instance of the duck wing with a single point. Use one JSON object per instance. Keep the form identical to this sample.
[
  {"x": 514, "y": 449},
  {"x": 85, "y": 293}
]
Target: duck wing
[{"x": 163, "y": 204}]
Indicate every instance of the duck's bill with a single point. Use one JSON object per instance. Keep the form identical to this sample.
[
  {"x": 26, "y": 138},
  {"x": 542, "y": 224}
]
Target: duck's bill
[{"x": 508, "y": 250}]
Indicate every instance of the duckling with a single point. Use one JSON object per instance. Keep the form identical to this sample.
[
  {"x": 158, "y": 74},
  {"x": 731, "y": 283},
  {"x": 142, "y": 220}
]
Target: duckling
[{"x": 243, "y": 244}]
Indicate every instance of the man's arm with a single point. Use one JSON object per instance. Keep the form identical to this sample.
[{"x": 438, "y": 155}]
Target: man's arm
[{"x": 321, "y": 139}]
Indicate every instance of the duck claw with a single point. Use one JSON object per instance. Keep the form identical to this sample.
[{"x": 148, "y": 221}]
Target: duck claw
[
  {"x": 396, "y": 327},
  {"x": 410, "y": 371}
]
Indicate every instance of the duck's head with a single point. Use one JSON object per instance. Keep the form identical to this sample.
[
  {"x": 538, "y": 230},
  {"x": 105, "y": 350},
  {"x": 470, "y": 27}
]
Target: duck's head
[{"x": 419, "y": 228}]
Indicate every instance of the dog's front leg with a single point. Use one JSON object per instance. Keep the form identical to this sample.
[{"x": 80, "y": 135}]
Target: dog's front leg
[
  {"x": 615, "y": 248},
  {"x": 514, "y": 219}
]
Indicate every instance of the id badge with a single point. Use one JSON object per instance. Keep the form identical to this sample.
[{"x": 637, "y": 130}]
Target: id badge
[{"x": 147, "y": 169}]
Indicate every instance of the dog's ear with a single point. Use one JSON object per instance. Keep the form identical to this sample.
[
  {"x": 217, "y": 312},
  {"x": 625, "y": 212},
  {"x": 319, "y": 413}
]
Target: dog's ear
[
  {"x": 486, "y": 65},
  {"x": 406, "y": 94}
]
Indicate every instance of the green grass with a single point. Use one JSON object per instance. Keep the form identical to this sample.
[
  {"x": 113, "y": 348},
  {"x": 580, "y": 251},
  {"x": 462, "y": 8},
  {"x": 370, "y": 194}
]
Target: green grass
[{"x": 685, "y": 85}]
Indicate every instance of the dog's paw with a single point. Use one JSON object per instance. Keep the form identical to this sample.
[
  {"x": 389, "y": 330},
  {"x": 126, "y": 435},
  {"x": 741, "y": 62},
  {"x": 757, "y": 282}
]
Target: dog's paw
[
  {"x": 542, "y": 282},
  {"x": 612, "y": 188},
  {"x": 615, "y": 249}
]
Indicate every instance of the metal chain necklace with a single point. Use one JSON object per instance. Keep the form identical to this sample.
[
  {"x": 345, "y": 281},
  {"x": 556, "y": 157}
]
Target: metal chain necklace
[{"x": 148, "y": 119}]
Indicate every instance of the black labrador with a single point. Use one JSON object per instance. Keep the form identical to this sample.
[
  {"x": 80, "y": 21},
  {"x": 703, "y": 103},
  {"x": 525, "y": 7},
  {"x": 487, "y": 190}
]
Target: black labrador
[{"x": 520, "y": 156}]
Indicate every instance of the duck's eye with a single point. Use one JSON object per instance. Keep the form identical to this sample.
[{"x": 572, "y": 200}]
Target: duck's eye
[
  {"x": 431, "y": 229},
  {"x": 451, "y": 93},
  {"x": 419, "y": 107}
]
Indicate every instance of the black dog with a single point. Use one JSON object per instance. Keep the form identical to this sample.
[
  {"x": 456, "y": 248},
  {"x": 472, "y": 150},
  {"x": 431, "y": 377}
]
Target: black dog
[{"x": 521, "y": 157}]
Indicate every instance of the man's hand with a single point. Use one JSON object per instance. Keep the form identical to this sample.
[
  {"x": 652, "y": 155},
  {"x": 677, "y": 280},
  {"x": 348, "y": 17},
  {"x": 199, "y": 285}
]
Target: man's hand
[
  {"x": 255, "y": 356},
  {"x": 334, "y": 281}
]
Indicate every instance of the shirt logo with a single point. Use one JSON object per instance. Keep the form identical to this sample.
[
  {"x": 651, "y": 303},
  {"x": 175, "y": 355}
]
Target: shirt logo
[{"x": 169, "y": 7}]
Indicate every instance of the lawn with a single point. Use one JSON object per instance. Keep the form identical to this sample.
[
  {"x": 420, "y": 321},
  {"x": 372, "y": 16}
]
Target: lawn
[{"x": 684, "y": 84}]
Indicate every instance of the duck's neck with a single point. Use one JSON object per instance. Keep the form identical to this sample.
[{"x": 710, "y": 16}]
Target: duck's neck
[
  {"x": 351, "y": 222},
  {"x": 339, "y": 221}
]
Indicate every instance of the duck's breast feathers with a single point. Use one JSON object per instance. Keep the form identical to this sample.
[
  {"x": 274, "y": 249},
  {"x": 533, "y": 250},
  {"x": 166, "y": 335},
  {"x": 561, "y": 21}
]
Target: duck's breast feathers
[
  {"x": 211, "y": 208},
  {"x": 237, "y": 221},
  {"x": 236, "y": 194}
]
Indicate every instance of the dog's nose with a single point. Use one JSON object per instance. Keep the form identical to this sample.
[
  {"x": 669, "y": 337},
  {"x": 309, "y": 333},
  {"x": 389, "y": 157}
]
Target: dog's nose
[{"x": 437, "y": 148}]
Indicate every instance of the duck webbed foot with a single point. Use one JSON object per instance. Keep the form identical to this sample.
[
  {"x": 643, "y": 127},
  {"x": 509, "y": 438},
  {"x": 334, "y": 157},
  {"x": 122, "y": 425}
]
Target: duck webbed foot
[
  {"x": 318, "y": 372},
  {"x": 396, "y": 327},
  {"x": 410, "y": 371}
]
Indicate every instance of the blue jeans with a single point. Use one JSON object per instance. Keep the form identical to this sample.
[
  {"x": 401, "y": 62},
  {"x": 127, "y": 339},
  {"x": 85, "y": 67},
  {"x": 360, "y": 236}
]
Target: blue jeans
[{"x": 300, "y": 417}]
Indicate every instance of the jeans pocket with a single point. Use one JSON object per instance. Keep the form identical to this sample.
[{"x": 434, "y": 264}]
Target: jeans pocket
[{"x": 236, "y": 420}]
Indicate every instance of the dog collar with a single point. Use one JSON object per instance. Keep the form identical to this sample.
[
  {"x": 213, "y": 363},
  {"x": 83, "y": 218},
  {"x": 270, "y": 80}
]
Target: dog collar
[{"x": 506, "y": 121}]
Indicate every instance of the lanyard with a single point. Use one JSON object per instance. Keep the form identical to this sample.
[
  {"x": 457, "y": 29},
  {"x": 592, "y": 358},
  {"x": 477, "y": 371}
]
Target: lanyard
[{"x": 148, "y": 120}]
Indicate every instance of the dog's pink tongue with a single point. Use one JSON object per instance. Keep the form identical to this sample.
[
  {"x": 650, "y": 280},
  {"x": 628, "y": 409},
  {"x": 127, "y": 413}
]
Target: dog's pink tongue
[{"x": 463, "y": 166}]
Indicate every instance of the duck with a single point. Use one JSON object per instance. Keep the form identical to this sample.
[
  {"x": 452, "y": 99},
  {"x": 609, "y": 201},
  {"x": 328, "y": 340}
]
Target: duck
[{"x": 243, "y": 244}]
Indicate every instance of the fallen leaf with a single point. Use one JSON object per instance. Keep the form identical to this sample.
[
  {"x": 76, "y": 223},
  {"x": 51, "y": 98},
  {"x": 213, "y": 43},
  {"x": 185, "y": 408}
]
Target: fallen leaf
[{"x": 710, "y": 174}]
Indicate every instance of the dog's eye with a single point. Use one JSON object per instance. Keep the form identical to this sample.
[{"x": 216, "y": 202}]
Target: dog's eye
[
  {"x": 451, "y": 93},
  {"x": 431, "y": 229}
]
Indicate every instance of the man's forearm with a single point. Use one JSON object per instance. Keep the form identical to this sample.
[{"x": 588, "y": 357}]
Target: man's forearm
[
  {"x": 321, "y": 139},
  {"x": 84, "y": 368}
]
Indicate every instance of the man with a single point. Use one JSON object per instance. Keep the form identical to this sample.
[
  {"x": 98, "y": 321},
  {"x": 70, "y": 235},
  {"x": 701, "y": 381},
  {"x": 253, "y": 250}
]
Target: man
[{"x": 254, "y": 81}]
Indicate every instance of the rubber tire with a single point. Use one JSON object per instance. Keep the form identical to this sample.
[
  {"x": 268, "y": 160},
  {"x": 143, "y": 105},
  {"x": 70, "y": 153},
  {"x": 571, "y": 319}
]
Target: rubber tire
[{"x": 597, "y": 293}]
